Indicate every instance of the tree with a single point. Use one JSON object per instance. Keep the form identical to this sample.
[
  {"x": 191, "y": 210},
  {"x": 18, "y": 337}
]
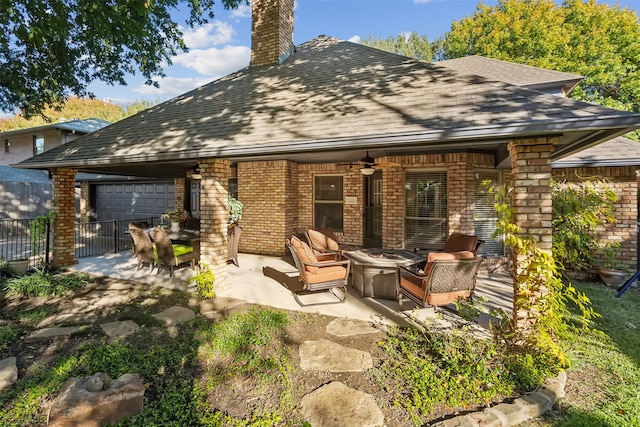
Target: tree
[
  {"x": 73, "y": 108},
  {"x": 412, "y": 44},
  {"x": 51, "y": 49},
  {"x": 594, "y": 40}
]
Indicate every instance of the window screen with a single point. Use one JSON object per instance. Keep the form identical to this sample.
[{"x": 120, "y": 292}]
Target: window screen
[
  {"x": 484, "y": 213},
  {"x": 425, "y": 199}
]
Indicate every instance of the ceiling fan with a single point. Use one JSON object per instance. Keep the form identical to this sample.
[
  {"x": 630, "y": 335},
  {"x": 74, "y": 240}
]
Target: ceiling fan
[{"x": 368, "y": 164}]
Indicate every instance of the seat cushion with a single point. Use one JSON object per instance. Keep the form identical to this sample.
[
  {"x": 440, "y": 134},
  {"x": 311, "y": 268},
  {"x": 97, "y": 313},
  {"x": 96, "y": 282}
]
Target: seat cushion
[
  {"x": 179, "y": 250},
  {"x": 321, "y": 240},
  {"x": 305, "y": 254},
  {"x": 325, "y": 274},
  {"x": 460, "y": 242},
  {"x": 413, "y": 285}
]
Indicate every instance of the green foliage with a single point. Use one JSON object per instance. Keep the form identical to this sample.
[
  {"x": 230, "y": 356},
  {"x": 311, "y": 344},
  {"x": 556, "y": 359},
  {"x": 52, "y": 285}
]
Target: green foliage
[
  {"x": 598, "y": 41},
  {"x": 204, "y": 281},
  {"x": 5, "y": 269},
  {"x": 541, "y": 299},
  {"x": 411, "y": 44},
  {"x": 39, "y": 226},
  {"x": 579, "y": 208},
  {"x": 8, "y": 334},
  {"x": 235, "y": 210},
  {"x": 45, "y": 284},
  {"x": 610, "y": 255},
  {"x": 56, "y": 48},
  {"x": 455, "y": 369},
  {"x": 35, "y": 315}
]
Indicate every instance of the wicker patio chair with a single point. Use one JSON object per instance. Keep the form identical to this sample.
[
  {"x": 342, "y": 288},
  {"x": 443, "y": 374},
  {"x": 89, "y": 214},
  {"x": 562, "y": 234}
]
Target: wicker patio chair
[
  {"x": 446, "y": 277},
  {"x": 171, "y": 254},
  {"x": 143, "y": 248},
  {"x": 458, "y": 242},
  {"x": 138, "y": 225},
  {"x": 318, "y": 275}
]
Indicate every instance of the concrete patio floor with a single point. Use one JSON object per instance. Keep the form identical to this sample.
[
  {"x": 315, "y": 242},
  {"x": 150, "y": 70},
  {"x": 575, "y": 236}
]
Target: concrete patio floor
[{"x": 269, "y": 280}]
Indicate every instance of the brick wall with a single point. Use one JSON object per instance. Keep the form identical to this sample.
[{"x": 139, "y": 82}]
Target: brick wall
[
  {"x": 85, "y": 205},
  {"x": 271, "y": 31},
  {"x": 179, "y": 193},
  {"x": 22, "y": 145},
  {"x": 214, "y": 209},
  {"x": 623, "y": 180},
  {"x": 63, "y": 195}
]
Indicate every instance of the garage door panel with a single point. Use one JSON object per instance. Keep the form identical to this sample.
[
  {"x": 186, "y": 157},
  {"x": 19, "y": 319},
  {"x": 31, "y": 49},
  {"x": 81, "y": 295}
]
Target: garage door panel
[{"x": 121, "y": 201}]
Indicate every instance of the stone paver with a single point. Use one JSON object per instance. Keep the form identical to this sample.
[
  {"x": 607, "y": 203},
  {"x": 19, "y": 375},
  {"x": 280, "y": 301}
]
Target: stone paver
[
  {"x": 336, "y": 405},
  {"x": 175, "y": 315},
  {"x": 8, "y": 372},
  {"x": 213, "y": 308},
  {"x": 120, "y": 328},
  {"x": 325, "y": 355},
  {"x": 52, "y": 333},
  {"x": 344, "y": 327},
  {"x": 67, "y": 318}
]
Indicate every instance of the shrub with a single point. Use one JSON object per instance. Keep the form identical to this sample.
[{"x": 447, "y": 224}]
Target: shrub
[
  {"x": 204, "y": 281},
  {"x": 45, "y": 284}
]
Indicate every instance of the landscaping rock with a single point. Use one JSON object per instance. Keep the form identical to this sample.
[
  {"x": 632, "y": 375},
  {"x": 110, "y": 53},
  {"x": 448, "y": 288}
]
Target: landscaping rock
[
  {"x": 325, "y": 355},
  {"x": 213, "y": 308},
  {"x": 8, "y": 372},
  {"x": 175, "y": 315},
  {"x": 52, "y": 333},
  {"x": 97, "y": 400},
  {"x": 120, "y": 329},
  {"x": 336, "y": 405},
  {"x": 343, "y": 327}
]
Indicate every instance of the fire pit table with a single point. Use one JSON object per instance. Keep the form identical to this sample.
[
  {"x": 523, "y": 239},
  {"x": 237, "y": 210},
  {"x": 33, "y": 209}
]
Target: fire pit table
[{"x": 374, "y": 270}]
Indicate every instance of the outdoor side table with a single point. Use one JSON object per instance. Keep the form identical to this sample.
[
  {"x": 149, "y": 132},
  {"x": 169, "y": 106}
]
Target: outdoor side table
[{"x": 374, "y": 270}]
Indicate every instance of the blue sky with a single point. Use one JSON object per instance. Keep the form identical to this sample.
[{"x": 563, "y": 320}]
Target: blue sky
[{"x": 223, "y": 46}]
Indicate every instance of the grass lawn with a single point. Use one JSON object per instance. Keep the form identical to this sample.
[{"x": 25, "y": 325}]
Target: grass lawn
[{"x": 603, "y": 387}]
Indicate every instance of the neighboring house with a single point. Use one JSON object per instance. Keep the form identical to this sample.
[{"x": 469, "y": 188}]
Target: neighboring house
[
  {"x": 29, "y": 192},
  {"x": 104, "y": 197},
  {"x": 295, "y": 131}
]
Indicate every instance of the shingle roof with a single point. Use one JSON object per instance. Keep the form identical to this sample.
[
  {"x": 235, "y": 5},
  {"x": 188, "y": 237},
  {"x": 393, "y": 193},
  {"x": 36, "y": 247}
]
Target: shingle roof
[
  {"x": 80, "y": 126},
  {"x": 618, "y": 151},
  {"x": 329, "y": 95},
  {"x": 512, "y": 73}
]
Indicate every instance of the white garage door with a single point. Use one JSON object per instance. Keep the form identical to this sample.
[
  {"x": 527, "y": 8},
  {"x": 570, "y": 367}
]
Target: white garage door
[{"x": 116, "y": 201}]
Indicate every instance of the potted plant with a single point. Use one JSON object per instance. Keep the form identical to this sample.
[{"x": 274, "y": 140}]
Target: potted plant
[
  {"x": 609, "y": 271},
  {"x": 19, "y": 266},
  {"x": 233, "y": 229},
  {"x": 176, "y": 217}
]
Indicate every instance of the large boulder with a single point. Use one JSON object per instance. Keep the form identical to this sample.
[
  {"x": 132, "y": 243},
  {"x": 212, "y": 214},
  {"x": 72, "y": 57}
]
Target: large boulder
[{"x": 97, "y": 400}]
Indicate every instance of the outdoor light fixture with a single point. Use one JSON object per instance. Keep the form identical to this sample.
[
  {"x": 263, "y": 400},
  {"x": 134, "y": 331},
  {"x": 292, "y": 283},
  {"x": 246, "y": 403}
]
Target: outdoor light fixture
[
  {"x": 367, "y": 170},
  {"x": 195, "y": 173}
]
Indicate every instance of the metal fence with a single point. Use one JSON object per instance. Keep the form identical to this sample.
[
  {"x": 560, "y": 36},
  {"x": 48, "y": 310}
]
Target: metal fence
[{"x": 91, "y": 238}]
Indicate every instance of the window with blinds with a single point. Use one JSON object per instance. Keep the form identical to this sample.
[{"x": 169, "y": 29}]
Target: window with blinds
[
  {"x": 484, "y": 213},
  {"x": 425, "y": 200}
]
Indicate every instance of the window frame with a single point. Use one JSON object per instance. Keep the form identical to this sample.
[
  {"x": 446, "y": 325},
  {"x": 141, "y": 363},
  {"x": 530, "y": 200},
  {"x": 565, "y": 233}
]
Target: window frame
[
  {"x": 315, "y": 202},
  {"x": 37, "y": 138},
  {"x": 441, "y": 223}
]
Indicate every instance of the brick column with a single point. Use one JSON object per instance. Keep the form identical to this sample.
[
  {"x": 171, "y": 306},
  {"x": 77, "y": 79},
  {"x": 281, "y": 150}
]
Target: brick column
[
  {"x": 64, "y": 205},
  {"x": 85, "y": 206},
  {"x": 531, "y": 174},
  {"x": 178, "y": 193},
  {"x": 393, "y": 207},
  {"x": 214, "y": 213}
]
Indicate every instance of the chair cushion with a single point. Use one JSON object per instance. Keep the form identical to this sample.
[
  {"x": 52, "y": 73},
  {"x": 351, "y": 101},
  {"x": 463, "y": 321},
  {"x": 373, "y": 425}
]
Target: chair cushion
[
  {"x": 181, "y": 249},
  {"x": 305, "y": 253},
  {"x": 325, "y": 274},
  {"x": 447, "y": 256},
  {"x": 413, "y": 285},
  {"x": 321, "y": 240},
  {"x": 460, "y": 242}
]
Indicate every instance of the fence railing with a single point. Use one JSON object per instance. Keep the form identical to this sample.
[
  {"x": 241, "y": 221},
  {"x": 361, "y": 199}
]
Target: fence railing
[{"x": 92, "y": 239}]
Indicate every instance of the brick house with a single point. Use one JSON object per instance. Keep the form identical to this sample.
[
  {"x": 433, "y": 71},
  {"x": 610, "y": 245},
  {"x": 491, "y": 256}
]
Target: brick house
[
  {"x": 387, "y": 150},
  {"x": 30, "y": 190}
]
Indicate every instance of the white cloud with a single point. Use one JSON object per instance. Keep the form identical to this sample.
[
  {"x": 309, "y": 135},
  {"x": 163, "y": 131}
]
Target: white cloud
[
  {"x": 211, "y": 34},
  {"x": 172, "y": 86},
  {"x": 421, "y": 1},
  {"x": 355, "y": 39},
  {"x": 215, "y": 62},
  {"x": 243, "y": 11}
]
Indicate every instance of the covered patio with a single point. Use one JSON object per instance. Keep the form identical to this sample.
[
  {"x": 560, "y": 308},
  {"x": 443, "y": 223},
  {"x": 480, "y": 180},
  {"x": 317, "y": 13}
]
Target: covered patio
[{"x": 270, "y": 280}]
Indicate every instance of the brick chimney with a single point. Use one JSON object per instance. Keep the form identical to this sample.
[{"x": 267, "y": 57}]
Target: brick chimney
[{"x": 271, "y": 31}]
